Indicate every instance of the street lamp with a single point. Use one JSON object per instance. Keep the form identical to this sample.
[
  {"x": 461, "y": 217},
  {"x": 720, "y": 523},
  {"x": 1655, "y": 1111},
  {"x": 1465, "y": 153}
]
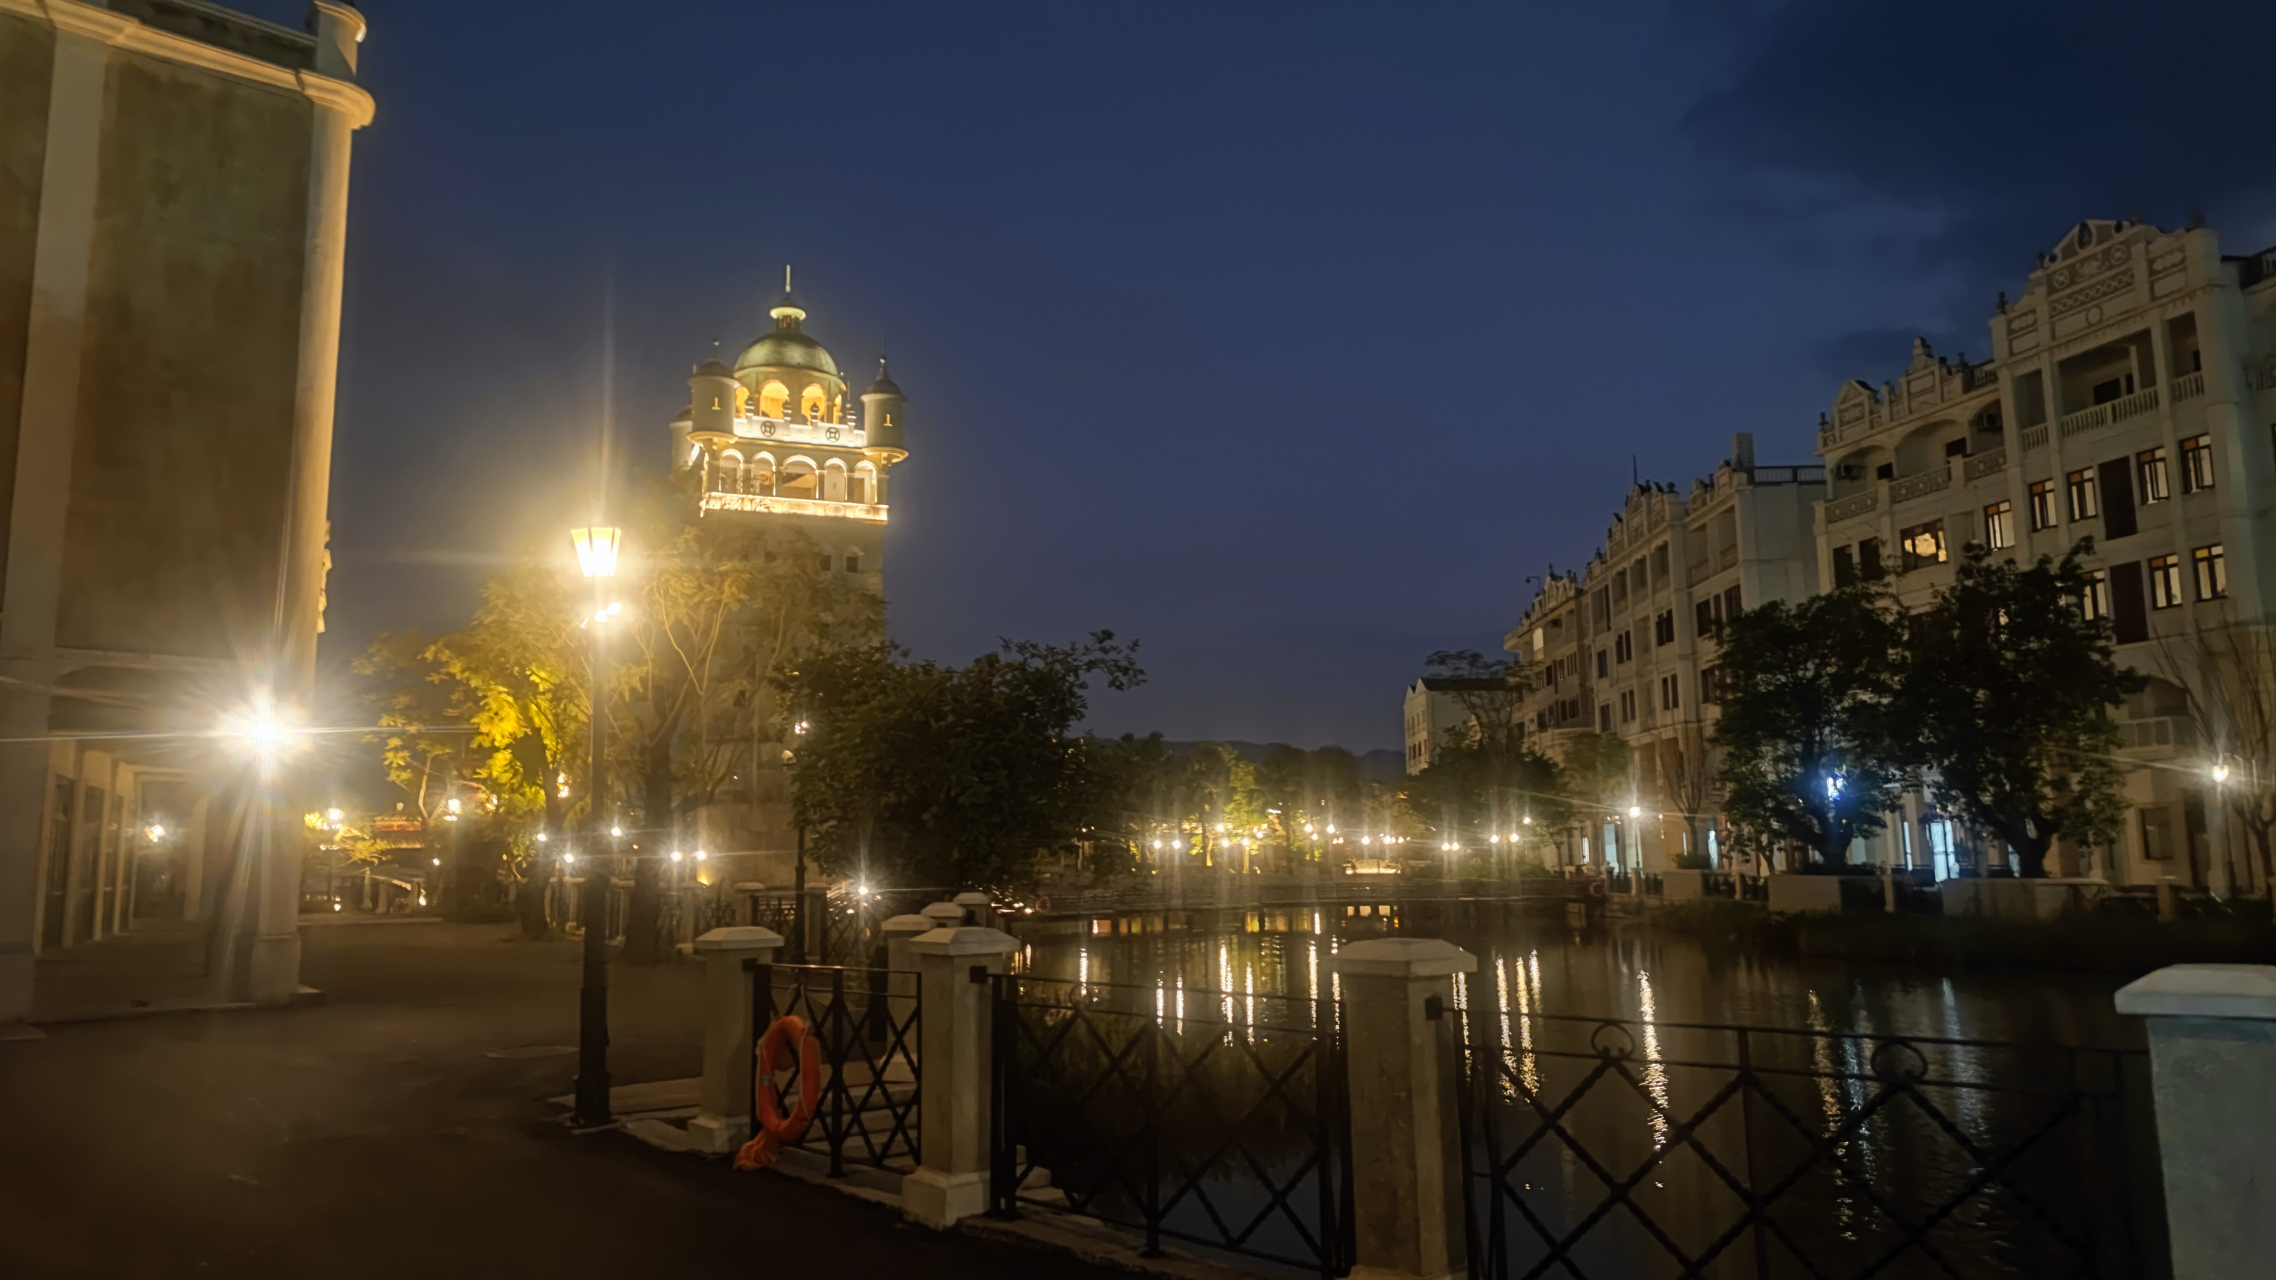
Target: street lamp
[{"x": 596, "y": 557}]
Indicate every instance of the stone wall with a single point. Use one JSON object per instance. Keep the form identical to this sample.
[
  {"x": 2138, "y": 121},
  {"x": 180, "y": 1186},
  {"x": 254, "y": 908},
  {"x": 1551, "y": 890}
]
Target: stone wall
[{"x": 27, "y": 58}]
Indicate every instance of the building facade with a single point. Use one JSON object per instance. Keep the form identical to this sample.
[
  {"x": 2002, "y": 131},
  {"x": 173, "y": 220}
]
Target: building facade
[
  {"x": 776, "y": 444},
  {"x": 2127, "y": 399},
  {"x": 1625, "y": 647},
  {"x": 165, "y": 478},
  {"x": 1434, "y": 709}
]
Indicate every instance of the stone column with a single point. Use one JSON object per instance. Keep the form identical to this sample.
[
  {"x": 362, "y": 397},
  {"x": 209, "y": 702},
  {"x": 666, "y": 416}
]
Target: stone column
[
  {"x": 273, "y": 968},
  {"x": 944, "y": 915},
  {"x": 951, "y": 1181},
  {"x": 728, "y": 1036},
  {"x": 901, "y": 962},
  {"x": 2213, "y": 1071},
  {"x": 1407, "y": 1179},
  {"x": 979, "y": 909}
]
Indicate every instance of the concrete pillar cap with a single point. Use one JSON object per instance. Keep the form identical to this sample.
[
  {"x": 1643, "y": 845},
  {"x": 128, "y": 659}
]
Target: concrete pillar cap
[
  {"x": 909, "y": 924},
  {"x": 943, "y": 911},
  {"x": 2202, "y": 991},
  {"x": 973, "y": 898},
  {"x": 964, "y": 942},
  {"x": 1403, "y": 958},
  {"x": 741, "y": 937}
]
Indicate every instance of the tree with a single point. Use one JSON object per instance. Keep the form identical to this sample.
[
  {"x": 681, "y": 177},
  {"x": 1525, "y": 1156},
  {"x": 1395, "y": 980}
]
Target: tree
[
  {"x": 716, "y": 609},
  {"x": 1685, "y": 776},
  {"x": 1596, "y": 779},
  {"x": 2226, "y": 677},
  {"x": 2011, "y": 687},
  {"x": 1809, "y": 712},
  {"x": 930, "y": 775}
]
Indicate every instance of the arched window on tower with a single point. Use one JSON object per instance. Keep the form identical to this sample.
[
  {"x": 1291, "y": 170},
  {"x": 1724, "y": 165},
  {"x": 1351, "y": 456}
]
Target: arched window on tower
[
  {"x": 853, "y": 561},
  {"x": 864, "y": 484},
  {"x": 727, "y": 475},
  {"x": 811, "y": 402},
  {"x": 834, "y": 481},
  {"x": 760, "y": 478},
  {"x": 798, "y": 480},
  {"x": 772, "y": 397}
]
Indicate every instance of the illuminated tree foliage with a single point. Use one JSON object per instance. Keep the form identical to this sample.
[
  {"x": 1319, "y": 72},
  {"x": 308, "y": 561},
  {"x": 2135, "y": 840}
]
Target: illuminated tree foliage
[{"x": 1810, "y": 711}]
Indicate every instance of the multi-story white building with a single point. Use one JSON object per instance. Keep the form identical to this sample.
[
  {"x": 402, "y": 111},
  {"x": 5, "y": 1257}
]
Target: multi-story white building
[
  {"x": 1433, "y": 710},
  {"x": 2126, "y": 400},
  {"x": 1626, "y": 646}
]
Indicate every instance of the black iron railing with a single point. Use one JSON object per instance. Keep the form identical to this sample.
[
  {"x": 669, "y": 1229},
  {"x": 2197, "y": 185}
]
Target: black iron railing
[
  {"x": 867, "y": 1023},
  {"x": 1211, "y": 1118},
  {"x": 1614, "y": 1148}
]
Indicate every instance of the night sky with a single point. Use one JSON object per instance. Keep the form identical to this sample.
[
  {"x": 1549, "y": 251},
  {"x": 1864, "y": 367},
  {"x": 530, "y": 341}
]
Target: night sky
[{"x": 1290, "y": 339}]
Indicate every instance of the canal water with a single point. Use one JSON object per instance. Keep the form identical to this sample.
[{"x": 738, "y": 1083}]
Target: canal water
[{"x": 1982, "y": 1160}]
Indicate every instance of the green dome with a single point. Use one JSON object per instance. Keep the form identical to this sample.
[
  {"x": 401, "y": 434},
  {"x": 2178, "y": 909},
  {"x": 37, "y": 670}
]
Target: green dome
[{"x": 786, "y": 347}]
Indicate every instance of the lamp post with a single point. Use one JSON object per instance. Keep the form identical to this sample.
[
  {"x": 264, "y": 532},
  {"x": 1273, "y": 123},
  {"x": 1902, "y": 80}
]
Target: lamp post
[{"x": 596, "y": 556}]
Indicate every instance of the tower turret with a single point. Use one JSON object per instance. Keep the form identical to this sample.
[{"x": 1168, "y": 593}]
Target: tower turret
[
  {"x": 711, "y": 399},
  {"x": 881, "y": 409}
]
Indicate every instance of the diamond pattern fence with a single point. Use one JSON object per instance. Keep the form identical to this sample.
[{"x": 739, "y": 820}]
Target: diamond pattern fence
[
  {"x": 1605, "y": 1148},
  {"x": 1209, "y": 1118},
  {"x": 867, "y": 1022}
]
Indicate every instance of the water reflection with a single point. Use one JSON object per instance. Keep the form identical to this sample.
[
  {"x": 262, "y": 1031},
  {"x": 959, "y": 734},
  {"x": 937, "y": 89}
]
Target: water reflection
[{"x": 1824, "y": 1098}]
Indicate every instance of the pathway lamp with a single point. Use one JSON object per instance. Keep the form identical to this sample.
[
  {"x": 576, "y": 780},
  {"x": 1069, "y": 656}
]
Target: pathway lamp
[{"x": 597, "y": 548}]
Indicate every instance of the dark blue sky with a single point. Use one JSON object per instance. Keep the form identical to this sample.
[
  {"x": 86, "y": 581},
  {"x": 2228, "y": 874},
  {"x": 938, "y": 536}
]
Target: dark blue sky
[{"x": 1289, "y": 339}]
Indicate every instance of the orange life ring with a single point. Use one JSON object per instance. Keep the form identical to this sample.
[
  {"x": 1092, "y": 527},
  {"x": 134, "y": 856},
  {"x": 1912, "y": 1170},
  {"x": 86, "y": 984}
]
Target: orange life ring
[
  {"x": 1043, "y": 903},
  {"x": 774, "y": 1127}
]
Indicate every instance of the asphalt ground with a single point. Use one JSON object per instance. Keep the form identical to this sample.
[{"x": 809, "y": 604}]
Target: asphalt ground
[{"x": 374, "y": 1134}]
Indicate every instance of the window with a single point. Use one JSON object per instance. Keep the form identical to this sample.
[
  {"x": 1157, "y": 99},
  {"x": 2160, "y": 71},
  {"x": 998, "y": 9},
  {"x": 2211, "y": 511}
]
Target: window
[
  {"x": 1999, "y": 525},
  {"x": 2196, "y": 463},
  {"x": 1922, "y": 545},
  {"x": 1603, "y": 664},
  {"x": 2096, "y": 602},
  {"x": 1710, "y": 685},
  {"x": 1627, "y": 704},
  {"x": 1844, "y": 566},
  {"x": 853, "y": 562},
  {"x": 1886, "y": 471},
  {"x": 2165, "y": 582},
  {"x": 825, "y": 562},
  {"x": 2042, "y": 505},
  {"x": 1623, "y": 647},
  {"x": 1706, "y": 611},
  {"x": 1604, "y": 718},
  {"x": 1671, "y": 693},
  {"x": 2212, "y": 572},
  {"x": 1731, "y": 603},
  {"x": 1869, "y": 559},
  {"x": 1663, "y": 628},
  {"x": 2149, "y": 476},
  {"x": 2084, "y": 496}
]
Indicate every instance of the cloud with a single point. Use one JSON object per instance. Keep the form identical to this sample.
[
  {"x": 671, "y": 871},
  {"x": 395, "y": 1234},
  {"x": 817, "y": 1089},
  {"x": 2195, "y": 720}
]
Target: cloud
[{"x": 2003, "y": 124}]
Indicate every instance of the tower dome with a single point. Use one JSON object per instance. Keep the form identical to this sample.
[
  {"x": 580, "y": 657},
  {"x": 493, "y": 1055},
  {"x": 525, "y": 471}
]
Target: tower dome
[{"x": 788, "y": 346}]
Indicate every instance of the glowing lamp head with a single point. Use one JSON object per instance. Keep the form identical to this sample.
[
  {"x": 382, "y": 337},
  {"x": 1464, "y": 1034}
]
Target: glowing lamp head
[
  {"x": 616, "y": 831},
  {"x": 675, "y": 855},
  {"x": 1635, "y": 811},
  {"x": 568, "y": 857},
  {"x": 699, "y": 855},
  {"x": 596, "y": 550},
  {"x": 334, "y": 814},
  {"x": 2220, "y": 773},
  {"x": 157, "y": 831}
]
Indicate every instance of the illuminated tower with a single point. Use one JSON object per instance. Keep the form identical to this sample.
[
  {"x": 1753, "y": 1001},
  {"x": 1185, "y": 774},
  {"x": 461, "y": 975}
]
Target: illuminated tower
[{"x": 774, "y": 439}]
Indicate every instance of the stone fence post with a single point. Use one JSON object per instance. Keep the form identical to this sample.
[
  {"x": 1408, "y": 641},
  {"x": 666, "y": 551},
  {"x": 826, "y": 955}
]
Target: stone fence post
[
  {"x": 951, "y": 1181},
  {"x": 944, "y": 915},
  {"x": 725, "y": 1121},
  {"x": 901, "y": 965},
  {"x": 2213, "y": 1072},
  {"x": 979, "y": 908},
  {"x": 1406, "y": 1145}
]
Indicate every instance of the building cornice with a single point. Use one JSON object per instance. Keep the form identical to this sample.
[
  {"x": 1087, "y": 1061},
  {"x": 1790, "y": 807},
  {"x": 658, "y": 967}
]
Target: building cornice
[{"x": 94, "y": 23}]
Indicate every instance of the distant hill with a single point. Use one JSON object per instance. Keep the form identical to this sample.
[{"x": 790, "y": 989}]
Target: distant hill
[{"x": 1380, "y": 765}]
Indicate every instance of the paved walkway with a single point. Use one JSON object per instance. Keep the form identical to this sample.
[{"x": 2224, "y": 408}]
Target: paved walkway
[{"x": 373, "y": 1135}]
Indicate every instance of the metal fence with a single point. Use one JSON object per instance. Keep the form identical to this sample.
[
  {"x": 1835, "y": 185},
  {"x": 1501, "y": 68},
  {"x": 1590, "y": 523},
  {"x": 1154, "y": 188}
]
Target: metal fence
[
  {"x": 867, "y": 1023},
  {"x": 1212, "y": 1118},
  {"x": 1639, "y": 1149}
]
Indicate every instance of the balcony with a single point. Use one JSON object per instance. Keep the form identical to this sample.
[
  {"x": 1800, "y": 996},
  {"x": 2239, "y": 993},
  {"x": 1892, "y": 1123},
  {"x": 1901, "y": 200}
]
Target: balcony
[
  {"x": 1853, "y": 506},
  {"x": 2168, "y": 735},
  {"x": 2102, "y": 415},
  {"x": 2033, "y": 437},
  {"x": 768, "y": 503},
  {"x": 844, "y": 435},
  {"x": 1984, "y": 464},
  {"x": 1920, "y": 486},
  {"x": 2189, "y": 386}
]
